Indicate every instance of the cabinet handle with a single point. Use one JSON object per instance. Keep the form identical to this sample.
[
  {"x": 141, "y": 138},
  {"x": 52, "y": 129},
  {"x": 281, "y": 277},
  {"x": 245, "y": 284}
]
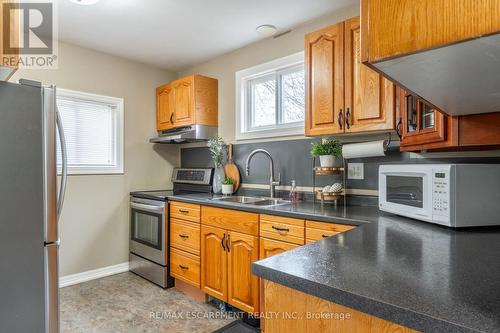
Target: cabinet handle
[
  {"x": 340, "y": 119},
  {"x": 183, "y": 211},
  {"x": 228, "y": 243},
  {"x": 172, "y": 118},
  {"x": 281, "y": 229},
  {"x": 183, "y": 267},
  {"x": 347, "y": 117},
  {"x": 325, "y": 236},
  {"x": 183, "y": 236},
  {"x": 222, "y": 242},
  {"x": 398, "y": 129}
]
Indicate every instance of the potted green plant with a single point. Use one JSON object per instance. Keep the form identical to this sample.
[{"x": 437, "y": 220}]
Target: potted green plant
[
  {"x": 217, "y": 148},
  {"x": 329, "y": 152},
  {"x": 227, "y": 186}
]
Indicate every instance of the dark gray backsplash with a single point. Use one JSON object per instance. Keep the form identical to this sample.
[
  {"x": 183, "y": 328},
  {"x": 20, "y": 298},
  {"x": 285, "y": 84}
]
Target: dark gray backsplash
[{"x": 292, "y": 159}]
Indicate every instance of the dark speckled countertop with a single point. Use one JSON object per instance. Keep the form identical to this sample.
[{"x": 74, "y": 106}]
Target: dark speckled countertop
[{"x": 419, "y": 275}]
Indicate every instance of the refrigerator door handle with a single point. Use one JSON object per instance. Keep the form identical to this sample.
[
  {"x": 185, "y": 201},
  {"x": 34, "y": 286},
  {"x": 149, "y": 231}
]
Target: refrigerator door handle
[{"x": 64, "y": 159}]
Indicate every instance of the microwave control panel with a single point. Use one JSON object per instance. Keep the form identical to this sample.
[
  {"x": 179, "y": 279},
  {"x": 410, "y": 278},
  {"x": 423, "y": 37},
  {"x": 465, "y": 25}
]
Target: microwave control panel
[{"x": 441, "y": 194}]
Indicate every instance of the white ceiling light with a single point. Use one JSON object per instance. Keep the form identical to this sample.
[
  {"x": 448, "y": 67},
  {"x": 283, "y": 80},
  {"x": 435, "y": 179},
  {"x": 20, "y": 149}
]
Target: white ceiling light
[
  {"x": 85, "y": 2},
  {"x": 267, "y": 30}
]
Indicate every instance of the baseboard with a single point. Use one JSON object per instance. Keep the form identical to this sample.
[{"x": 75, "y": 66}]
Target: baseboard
[{"x": 72, "y": 279}]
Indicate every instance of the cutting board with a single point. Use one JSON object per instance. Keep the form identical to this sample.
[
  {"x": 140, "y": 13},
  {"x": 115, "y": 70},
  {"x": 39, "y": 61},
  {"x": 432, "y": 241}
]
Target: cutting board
[{"x": 231, "y": 169}]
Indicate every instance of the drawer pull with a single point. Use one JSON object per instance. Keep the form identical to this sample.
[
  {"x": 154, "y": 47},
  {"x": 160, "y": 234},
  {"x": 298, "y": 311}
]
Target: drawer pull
[
  {"x": 281, "y": 229},
  {"x": 183, "y": 236},
  {"x": 222, "y": 242},
  {"x": 183, "y": 267},
  {"x": 183, "y": 211},
  {"x": 325, "y": 236}
]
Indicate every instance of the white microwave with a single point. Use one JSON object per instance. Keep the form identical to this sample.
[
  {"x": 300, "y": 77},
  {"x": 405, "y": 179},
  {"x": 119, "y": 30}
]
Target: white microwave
[{"x": 453, "y": 195}]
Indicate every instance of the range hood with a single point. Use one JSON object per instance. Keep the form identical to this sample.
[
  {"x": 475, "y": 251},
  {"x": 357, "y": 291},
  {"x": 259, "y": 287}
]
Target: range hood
[
  {"x": 459, "y": 79},
  {"x": 187, "y": 134}
]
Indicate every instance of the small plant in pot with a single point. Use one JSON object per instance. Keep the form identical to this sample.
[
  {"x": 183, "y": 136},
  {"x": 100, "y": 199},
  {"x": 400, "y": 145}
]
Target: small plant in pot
[
  {"x": 217, "y": 148},
  {"x": 227, "y": 186},
  {"x": 329, "y": 152}
]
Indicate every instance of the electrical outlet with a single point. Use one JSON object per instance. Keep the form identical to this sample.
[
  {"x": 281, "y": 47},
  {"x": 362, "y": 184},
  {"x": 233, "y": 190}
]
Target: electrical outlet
[{"x": 355, "y": 171}]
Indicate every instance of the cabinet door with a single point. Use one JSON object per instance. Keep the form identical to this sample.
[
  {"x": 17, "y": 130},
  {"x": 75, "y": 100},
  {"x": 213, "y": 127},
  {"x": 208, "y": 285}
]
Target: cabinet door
[
  {"x": 370, "y": 103},
  {"x": 214, "y": 262},
  {"x": 184, "y": 102},
  {"x": 164, "y": 108},
  {"x": 324, "y": 61},
  {"x": 422, "y": 124},
  {"x": 243, "y": 287},
  {"x": 271, "y": 247}
]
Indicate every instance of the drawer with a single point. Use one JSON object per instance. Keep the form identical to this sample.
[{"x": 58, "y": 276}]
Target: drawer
[
  {"x": 317, "y": 234},
  {"x": 329, "y": 226},
  {"x": 185, "y": 211},
  {"x": 229, "y": 219},
  {"x": 290, "y": 233},
  {"x": 185, "y": 267},
  {"x": 185, "y": 236}
]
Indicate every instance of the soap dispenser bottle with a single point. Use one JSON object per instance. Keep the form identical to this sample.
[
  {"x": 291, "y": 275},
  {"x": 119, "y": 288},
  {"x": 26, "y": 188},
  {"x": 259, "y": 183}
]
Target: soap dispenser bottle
[{"x": 294, "y": 194}]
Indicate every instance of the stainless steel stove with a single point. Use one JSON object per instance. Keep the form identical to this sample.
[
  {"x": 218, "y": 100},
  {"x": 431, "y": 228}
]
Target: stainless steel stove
[{"x": 149, "y": 227}]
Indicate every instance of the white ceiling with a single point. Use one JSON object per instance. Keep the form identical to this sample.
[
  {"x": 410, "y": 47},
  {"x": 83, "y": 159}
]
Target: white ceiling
[{"x": 176, "y": 34}]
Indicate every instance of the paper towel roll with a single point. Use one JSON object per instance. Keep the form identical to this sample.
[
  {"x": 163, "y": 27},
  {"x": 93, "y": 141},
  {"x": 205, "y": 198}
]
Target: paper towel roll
[{"x": 365, "y": 149}]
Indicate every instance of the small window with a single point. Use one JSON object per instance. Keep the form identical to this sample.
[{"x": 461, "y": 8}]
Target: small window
[
  {"x": 93, "y": 128},
  {"x": 271, "y": 99}
]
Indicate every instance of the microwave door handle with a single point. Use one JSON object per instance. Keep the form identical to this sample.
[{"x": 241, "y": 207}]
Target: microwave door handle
[{"x": 64, "y": 159}]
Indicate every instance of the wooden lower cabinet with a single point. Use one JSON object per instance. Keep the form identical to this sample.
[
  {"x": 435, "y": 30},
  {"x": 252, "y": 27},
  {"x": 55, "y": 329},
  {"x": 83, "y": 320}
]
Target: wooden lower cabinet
[
  {"x": 243, "y": 286},
  {"x": 290, "y": 305},
  {"x": 226, "y": 260},
  {"x": 271, "y": 247},
  {"x": 213, "y": 262}
]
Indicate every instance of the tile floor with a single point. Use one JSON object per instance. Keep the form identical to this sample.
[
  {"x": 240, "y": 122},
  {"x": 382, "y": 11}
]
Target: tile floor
[{"x": 125, "y": 302}]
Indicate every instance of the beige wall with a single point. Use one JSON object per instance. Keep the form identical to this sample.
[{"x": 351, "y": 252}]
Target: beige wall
[
  {"x": 224, "y": 67},
  {"x": 95, "y": 226}
]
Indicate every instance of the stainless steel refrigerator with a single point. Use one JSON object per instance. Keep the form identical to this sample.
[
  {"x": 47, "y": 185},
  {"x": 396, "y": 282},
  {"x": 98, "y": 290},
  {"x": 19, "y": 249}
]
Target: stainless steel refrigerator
[{"x": 31, "y": 198}]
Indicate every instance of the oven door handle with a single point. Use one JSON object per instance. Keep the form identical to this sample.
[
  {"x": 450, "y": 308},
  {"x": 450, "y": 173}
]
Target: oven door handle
[{"x": 148, "y": 208}]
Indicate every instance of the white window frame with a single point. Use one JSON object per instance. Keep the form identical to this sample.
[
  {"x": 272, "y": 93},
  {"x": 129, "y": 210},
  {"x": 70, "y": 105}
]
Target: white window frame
[
  {"x": 243, "y": 116},
  {"x": 117, "y": 104}
]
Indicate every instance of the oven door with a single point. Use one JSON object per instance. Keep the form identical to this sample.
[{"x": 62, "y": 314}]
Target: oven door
[
  {"x": 407, "y": 192},
  {"x": 148, "y": 230}
]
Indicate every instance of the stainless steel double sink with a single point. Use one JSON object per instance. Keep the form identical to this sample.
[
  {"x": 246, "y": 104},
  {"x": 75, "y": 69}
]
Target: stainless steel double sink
[{"x": 254, "y": 201}]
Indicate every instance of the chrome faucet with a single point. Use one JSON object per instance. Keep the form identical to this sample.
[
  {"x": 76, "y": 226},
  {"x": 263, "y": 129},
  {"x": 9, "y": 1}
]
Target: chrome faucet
[{"x": 272, "y": 182}]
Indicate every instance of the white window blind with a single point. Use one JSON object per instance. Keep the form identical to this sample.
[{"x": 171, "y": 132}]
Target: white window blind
[{"x": 93, "y": 130}]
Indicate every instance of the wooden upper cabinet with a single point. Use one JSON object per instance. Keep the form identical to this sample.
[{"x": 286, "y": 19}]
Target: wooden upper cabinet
[
  {"x": 324, "y": 81},
  {"x": 165, "y": 106},
  {"x": 342, "y": 94},
  {"x": 9, "y": 31},
  {"x": 214, "y": 262},
  {"x": 184, "y": 102},
  {"x": 369, "y": 98},
  {"x": 187, "y": 101},
  {"x": 394, "y": 28},
  {"x": 243, "y": 287},
  {"x": 425, "y": 128}
]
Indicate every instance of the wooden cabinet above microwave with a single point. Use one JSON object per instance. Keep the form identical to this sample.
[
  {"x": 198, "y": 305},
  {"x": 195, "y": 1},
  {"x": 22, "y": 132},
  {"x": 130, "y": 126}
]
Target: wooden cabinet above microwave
[
  {"x": 423, "y": 127},
  {"x": 187, "y": 101},
  {"x": 445, "y": 51}
]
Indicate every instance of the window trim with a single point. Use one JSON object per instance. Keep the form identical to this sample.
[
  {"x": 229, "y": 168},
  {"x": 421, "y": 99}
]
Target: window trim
[
  {"x": 117, "y": 103},
  {"x": 243, "y": 118}
]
